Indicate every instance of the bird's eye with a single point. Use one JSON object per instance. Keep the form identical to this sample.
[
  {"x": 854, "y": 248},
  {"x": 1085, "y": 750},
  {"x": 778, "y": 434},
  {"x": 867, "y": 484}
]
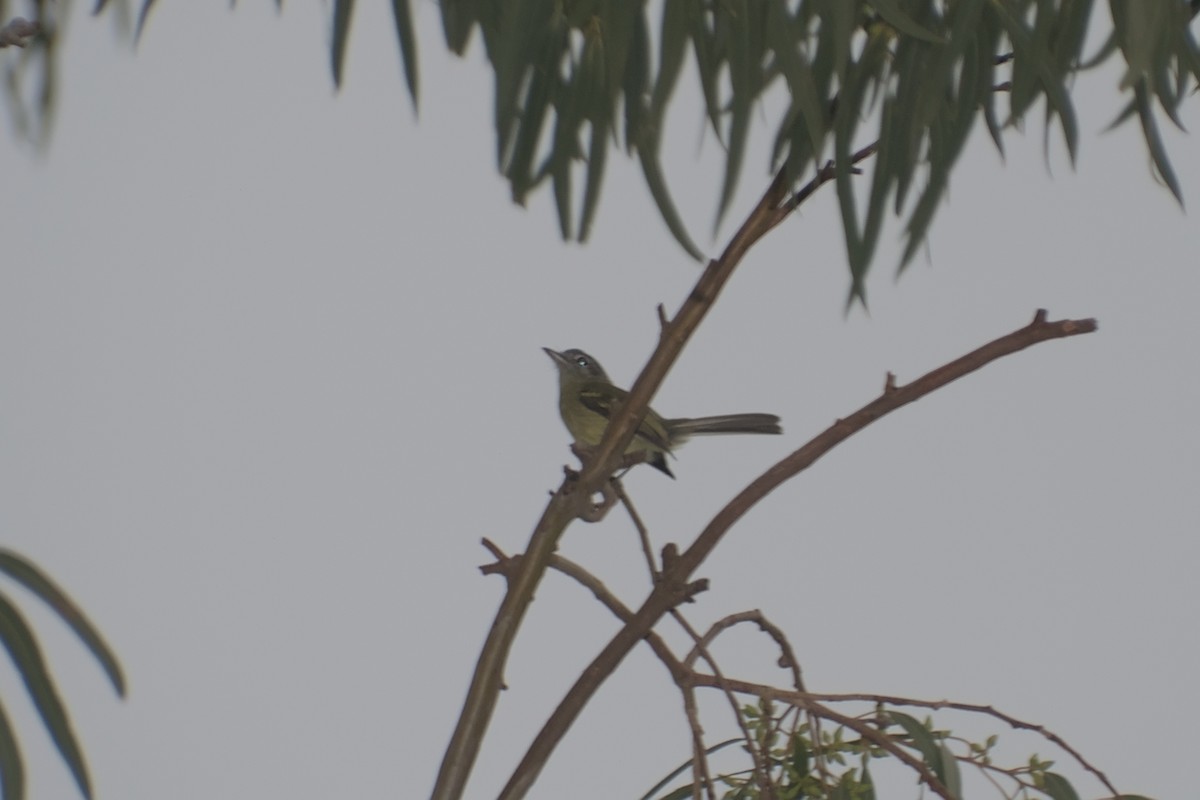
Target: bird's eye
[{"x": 582, "y": 361}]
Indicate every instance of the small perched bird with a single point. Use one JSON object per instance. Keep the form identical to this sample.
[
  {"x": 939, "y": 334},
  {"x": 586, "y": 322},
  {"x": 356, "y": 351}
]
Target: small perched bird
[{"x": 587, "y": 401}]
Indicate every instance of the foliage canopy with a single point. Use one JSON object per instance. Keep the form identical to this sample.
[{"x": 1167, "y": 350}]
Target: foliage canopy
[{"x": 576, "y": 78}]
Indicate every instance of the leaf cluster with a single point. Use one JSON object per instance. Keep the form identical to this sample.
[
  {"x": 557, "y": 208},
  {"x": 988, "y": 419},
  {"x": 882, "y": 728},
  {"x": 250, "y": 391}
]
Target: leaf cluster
[
  {"x": 18, "y": 639},
  {"x": 576, "y": 77},
  {"x": 837, "y": 766}
]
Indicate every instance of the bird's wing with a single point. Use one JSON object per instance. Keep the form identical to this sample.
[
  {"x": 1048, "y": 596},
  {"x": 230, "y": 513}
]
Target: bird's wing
[{"x": 604, "y": 402}]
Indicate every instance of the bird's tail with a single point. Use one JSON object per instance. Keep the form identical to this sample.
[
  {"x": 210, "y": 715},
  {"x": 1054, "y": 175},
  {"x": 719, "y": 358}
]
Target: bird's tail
[{"x": 726, "y": 423}]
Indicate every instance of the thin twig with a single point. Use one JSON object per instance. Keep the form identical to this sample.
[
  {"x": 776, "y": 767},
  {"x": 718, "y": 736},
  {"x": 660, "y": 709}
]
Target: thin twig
[
  {"x": 701, "y": 775},
  {"x": 700, "y": 649},
  {"x": 787, "y": 660},
  {"x": 643, "y": 533}
]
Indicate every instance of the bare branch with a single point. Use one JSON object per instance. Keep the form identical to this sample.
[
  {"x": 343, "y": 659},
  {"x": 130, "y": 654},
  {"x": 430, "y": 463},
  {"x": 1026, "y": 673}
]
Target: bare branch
[
  {"x": 701, "y": 776},
  {"x": 643, "y": 533}
]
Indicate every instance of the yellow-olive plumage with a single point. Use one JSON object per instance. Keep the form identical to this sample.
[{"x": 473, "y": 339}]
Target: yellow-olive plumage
[{"x": 587, "y": 400}]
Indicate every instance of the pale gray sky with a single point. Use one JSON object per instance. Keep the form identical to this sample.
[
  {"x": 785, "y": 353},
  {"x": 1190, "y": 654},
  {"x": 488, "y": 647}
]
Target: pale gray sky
[{"x": 271, "y": 368}]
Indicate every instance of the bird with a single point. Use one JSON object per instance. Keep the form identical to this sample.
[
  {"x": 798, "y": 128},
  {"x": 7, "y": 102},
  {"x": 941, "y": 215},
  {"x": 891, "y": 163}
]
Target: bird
[{"x": 588, "y": 400}]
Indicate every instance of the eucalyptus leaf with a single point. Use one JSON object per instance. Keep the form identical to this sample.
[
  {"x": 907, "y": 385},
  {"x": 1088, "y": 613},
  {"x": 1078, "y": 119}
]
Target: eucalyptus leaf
[
  {"x": 402, "y": 15},
  {"x": 12, "y": 768},
  {"x": 1057, "y": 787},
  {"x": 28, "y": 575},
  {"x": 343, "y": 10},
  {"x": 22, "y": 647}
]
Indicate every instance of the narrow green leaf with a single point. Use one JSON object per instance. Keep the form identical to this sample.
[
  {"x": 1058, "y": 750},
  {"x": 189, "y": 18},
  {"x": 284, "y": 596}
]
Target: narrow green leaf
[
  {"x": 12, "y": 769},
  {"x": 27, "y": 656},
  {"x": 794, "y": 135},
  {"x": 1058, "y": 787},
  {"x": 704, "y": 44},
  {"x": 952, "y": 777},
  {"x": 342, "y": 11},
  {"x": 990, "y": 33},
  {"x": 868, "y": 785},
  {"x": 620, "y": 25},
  {"x": 922, "y": 216},
  {"x": 1128, "y": 111},
  {"x": 685, "y": 766},
  {"x": 408, "y": 45},
  {"x": 1141, "y": 29},
  {"x": 1158, "y": 152},
  {"x": 843, "y": 180},
  {"x": 1066, "y": 45},
  {"x": 677, "y": 21},
  {"x": 1106, "y": 50},
  {"x": 576, "y": 97},
  {"x": 561, "y": 172},
  {"x": 671, "y": 46},
  {"x": 1032, "y": 68},
  {"x": 1059, "y": 100},
  {"x": 1189, "y": 53},
  {"x": 530, "y": 47},
  {"x": 906, "y": 138},
  {"x": 799, "y": 755},
  {"x": 24, "y": 572},
  {"x": 143, "y": 15},
  {"x": 590, "y": 101},
  {"x": 923, "y": 740},
  {"x": 859, "y": 77},
  {"x": 1024, "y": 66},
  {"x": 742, "y": 88},
  {"x": 458, "y": 20},
  {"x": 894, "y": 15},
  {"x": 881, "y": 180},
  {"x": 636, "y": 81},
  {"x": 782, "y": 35},
  {"x": 847, "y": 788},
  {"x": 652, "y": 170},
  {"x": 841, "y": 18},
  {"x": 597, "y": 155},
  {"x": 529, "y": 126}
]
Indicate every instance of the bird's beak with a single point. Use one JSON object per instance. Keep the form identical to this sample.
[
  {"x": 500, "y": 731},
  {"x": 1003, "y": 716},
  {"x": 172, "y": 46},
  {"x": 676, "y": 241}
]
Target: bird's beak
[{"x": 558, "y": 358}]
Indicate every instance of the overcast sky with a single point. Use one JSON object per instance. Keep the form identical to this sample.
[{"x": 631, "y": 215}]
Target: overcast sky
[{"x": 270, "y": 368}]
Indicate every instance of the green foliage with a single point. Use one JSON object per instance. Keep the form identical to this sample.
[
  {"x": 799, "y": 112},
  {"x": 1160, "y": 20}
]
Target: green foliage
[
  {"x": 574, "y": 77},
  {"x": 837, "y": 765},
  {"x": 18, "y": 639}
]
